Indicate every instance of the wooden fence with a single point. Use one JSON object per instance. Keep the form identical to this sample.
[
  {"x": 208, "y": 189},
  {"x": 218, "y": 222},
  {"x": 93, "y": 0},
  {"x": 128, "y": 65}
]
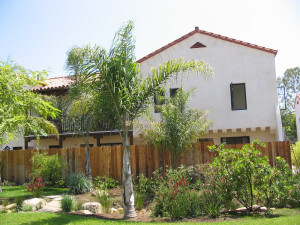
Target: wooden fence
[{"x": 16, "y": 164}]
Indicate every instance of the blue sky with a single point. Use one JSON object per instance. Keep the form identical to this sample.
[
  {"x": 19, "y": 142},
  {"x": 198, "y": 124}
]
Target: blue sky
[{"x": 38, "y": 33}]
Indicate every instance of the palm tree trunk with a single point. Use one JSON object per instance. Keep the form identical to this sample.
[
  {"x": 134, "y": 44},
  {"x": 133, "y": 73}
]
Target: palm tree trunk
[
  {"x": 87, "y": 156},
  {"x": 128, "y": 196}
]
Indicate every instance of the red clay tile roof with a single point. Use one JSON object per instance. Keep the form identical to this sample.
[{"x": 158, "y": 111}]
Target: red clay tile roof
[
  {"x": 208, "y": 34},
  {"x": 55, "y": 83}
]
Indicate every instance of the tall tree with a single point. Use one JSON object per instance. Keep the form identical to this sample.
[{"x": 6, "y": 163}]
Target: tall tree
[
  {"x": 83, "y": 106},
  {"x": 178, "y": 128},
  {"x": 121, "y": 93},
  {"x": 23, "y": 111},
  {"x": 291, "y": 82}
]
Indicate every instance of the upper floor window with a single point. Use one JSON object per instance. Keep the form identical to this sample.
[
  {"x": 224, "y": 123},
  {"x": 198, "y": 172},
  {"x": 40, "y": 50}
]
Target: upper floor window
[
  {"x": 238, "y": 96},
  {"x": 173, "y": 91}
]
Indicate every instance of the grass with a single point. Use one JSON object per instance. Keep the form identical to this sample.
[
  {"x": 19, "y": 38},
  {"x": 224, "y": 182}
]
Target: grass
[
  {"x": 11, "y": 192},
  {"x": 283, "y": 216}
]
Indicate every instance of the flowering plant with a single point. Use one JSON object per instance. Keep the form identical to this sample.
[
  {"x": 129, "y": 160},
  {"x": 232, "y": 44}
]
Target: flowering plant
[{"x": 37, "y": 185}]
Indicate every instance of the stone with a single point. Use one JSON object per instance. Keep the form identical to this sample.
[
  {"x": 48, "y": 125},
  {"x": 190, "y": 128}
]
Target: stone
[
  {"x": 10, "y": 206},
  {"x": 113, "y": 210},
  {"x": 94, "y": 207},
  {"x": 53, "y": 206},
  {"x": 85, "y": 212},
  {"x": 120, "y": 209},
  {"x": 36, "y": 203},
  {"x": 54, "y": 197}
]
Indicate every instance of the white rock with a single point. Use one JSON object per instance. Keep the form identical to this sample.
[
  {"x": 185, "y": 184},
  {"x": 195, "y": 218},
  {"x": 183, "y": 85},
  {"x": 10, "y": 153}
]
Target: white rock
[
  {"x": 94, "y": 207},
  {"x": 36, "y": 203},
  {"x": 54, "y": 197},
  {"x": 10, "y": 206},
  {"x": 112, "y": 210},
  {"x": 86, "y": 212}
]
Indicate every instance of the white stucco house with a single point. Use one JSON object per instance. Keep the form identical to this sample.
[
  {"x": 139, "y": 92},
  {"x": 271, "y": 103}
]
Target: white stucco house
[
  {"x": 241, "y": 96},
  {"x": 297, "y": 110}
]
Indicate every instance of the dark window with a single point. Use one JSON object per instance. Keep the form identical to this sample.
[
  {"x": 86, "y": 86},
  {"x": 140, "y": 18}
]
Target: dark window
[
  {"x": 17, "y": 148},
  {"x": 54, "y": 146},
  {"x": 159, "y": 101},
  {"x": 206, "y": 139},
  {"x": 83, "y": 145},
  {"x": 111, "y": 144},
  {"x": 238, "y": 96},
  {"x": 236, "y": 140},
  {"x": 173, "y": 91}
]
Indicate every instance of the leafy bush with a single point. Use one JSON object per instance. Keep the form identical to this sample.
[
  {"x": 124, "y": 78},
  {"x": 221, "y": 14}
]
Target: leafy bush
[
  {"x": 105, "y": 182},
  {"x": 295, "y": 153},
  {"x": 144, "y": 191},
  {"x": 174, "y": 195},
  {"x": 48, "y": 167},
  {"x": 27, "y": 208},
  {"x": 19, "y": 204},
  {"x": 294, "y": 198},
  {"x": 78, "y": 183},
  {"x": 68, "y": 203},
  {"x": 104, "y": 199},
  {"x": 250, "y": 179}
]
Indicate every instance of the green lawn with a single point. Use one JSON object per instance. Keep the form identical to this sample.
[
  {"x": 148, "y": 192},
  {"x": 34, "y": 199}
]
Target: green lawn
[
  {"x": 284, "y": 217},
  {"x": 22, "y": 192}
]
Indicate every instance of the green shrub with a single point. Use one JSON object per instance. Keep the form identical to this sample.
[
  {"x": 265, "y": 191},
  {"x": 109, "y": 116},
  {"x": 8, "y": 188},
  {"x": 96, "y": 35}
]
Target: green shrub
[
  {"x": 19, "y": 204},
  {"x": 144, "y": 191},
  {"x": 174, "y": 195},
  {"x": 104, "y": 200},
  {"x": 5, "y": 202},
  {"x": 214, "y": 193},
  {"x": 68, "y": 203},
  {"x": 294, "y": 198},
  {"x": 248, "y": 177},
  {"x": 48, "y": 167},
  {"x": 295, "y": 154},
  {"x": 78, "y": 183},
  {"x": 27, "y": 208},
  {"x": 104, "y": 182},
  {"x": 240, "y": 168}
]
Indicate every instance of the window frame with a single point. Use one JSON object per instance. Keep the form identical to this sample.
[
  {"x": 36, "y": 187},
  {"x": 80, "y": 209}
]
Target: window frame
[
  {"x": 248, "y": 137},
  {"x": 173, "y": 92},
  {"x": 232, "y": 97}
]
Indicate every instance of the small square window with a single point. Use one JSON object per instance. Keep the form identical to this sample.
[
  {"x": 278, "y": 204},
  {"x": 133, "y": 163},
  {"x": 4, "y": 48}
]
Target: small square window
[
  {"x": 173, "y": 91},
  {"x": 238, "y": 96}
]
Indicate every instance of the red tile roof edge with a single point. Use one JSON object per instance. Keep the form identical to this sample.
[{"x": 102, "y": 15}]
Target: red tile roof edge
[
  {"x": 261, "y": 48},
  {"x": 51, "y": 86}
]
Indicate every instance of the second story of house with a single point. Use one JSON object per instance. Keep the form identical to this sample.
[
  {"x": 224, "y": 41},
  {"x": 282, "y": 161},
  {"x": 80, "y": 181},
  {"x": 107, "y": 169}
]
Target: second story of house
[{"x": 241, "y": 95}]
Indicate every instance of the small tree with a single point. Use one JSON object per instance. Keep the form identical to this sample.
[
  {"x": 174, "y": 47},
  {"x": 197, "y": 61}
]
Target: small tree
[
  {"x": 23, "y": 111},
  {"x": 179, "y": 126},
  {"x": 291, "y": 82},
  {"x": 121, "y": 94}
]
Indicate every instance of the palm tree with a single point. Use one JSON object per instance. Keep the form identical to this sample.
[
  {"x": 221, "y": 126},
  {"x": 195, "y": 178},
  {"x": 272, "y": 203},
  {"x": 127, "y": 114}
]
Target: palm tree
[
  {"x": 121, "y": 93},
  {"x": 178, "y": 128}
]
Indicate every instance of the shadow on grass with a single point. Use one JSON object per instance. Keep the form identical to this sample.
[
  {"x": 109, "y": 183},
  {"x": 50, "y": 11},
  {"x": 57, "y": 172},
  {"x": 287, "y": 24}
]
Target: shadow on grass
[{"x": 61, "y": 219}]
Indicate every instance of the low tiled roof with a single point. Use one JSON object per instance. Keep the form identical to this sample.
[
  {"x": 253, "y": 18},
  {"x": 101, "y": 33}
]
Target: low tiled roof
[
  {"x": 55, "y": 83},
  {"x": 208, "y": 34}
]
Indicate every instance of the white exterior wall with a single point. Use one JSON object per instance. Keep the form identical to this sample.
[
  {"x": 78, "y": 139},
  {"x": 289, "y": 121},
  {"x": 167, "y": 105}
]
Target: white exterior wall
[
  {"x": 297, "y": 110},
  {"x": 231, "y": 63}
]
